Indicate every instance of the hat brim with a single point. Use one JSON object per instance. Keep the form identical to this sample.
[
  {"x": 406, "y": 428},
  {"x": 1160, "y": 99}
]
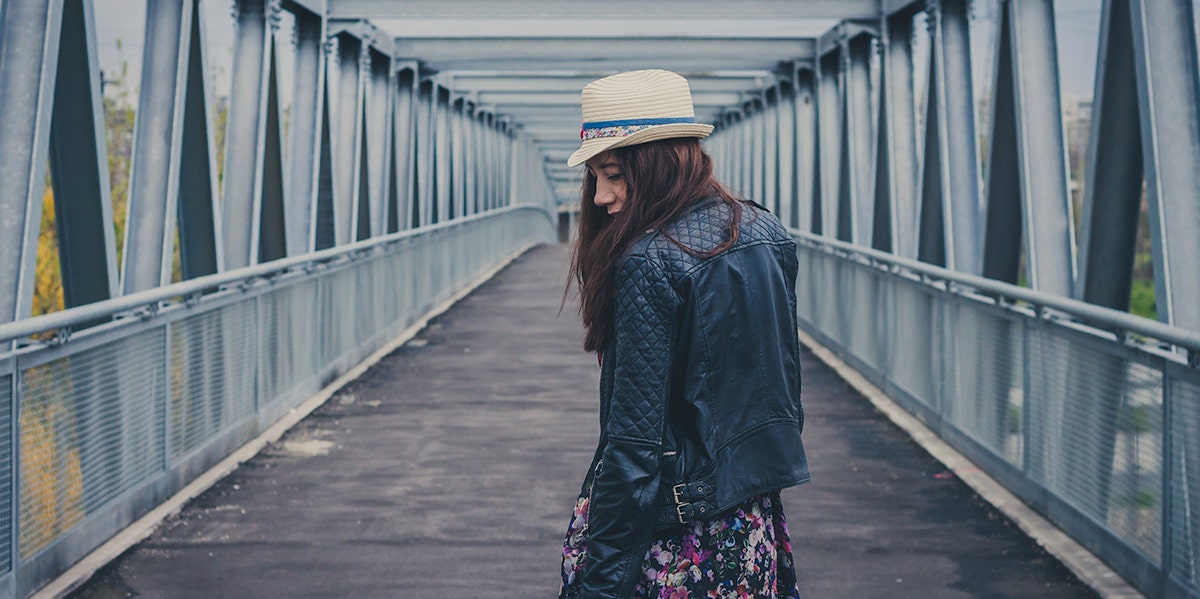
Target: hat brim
[{"x": 592, "y": 147}]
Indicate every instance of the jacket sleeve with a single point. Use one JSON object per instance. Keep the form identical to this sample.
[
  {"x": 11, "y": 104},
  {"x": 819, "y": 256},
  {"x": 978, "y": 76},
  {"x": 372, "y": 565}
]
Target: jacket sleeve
[{"x": 621, "y": 514}]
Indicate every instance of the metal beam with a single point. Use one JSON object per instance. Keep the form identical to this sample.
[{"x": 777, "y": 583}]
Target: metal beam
[
  {"x": 895, "y": 225},
  {"x": 153, "y": 179},
  {"x": 570, "y": 99},
  {"x": 523, "y": 81},
  {"x": 666, "y": 9},
  {"x": 198, "y": 210},
  {"x": 1027, "y": 176},
  {"x": 603, "y": 53},
  {"x": 950, "y": 177},
  {"x": 241, "y": 205},
  {"x": 304, "y": 141},
  {"x": 29, "y": 34},
  {"x": 79, "y": 165}
]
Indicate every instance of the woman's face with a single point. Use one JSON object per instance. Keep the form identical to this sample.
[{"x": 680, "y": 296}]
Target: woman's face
[{"x": 610, "y": 182}]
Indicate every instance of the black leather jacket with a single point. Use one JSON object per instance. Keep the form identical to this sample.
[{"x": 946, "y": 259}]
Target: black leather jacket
[{"x": 699, "y": 387}]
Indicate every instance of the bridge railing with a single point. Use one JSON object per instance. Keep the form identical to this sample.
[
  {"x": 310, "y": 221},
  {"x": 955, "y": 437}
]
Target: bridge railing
[
  {"x": 1090, "y": 415},
  {"x": 99, "y": 426}
]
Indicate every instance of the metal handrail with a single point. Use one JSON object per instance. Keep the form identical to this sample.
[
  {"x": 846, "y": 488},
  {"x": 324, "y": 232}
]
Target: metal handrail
[
  {"x": 1091, "y": 314},
  {"x": 90, "y": 313}
]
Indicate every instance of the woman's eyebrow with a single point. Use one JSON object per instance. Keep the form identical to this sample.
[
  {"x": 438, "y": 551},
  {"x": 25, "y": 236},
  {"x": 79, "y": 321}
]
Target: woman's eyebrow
[{"x": 608, "y": 164}]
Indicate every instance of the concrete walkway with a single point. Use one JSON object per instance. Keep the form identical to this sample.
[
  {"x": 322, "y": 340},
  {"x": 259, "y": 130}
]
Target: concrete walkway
[{"x": 450, "y": 468}]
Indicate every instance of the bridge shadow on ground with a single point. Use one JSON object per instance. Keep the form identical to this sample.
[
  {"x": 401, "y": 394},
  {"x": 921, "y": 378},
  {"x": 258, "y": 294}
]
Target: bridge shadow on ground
[{"x": 450, "y": 468}]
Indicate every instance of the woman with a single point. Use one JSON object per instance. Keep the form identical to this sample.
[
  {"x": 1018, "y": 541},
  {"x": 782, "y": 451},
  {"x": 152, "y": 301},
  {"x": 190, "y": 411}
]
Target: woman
[{"x": 688, "y": 296}]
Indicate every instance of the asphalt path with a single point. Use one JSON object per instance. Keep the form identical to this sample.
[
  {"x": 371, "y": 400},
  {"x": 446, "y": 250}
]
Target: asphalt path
[{"x": 450, "y": 468}]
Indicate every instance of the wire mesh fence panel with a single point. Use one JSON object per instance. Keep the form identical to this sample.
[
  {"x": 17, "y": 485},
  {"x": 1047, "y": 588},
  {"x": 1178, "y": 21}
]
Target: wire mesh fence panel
[
  {"x": 913, "y": 339},
  {"x": 805, "y": 295},
  {"x": 1096, "y": 434},
  {"x": 338, "y": 333},
  {"x": 823, "y": 286},
  {"x": 90, "y": 430},
  {"x": 212, "y": 373},
  {"x": 988, "y": 399},
  {"x": 290, "y": 350},
  {"x": 1184, "y": 546},
  {"x": 865, "y": 315},
  {"x": 6, "y": 469}
]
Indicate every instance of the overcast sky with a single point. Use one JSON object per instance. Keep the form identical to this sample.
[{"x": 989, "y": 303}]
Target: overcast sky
[{"x": 124, "y": 20}]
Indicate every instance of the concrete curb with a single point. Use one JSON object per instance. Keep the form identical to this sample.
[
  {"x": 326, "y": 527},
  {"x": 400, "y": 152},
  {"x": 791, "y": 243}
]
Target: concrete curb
[
  {"x": 1081, "y": 562},
  {"x": 82, "y": 571}
]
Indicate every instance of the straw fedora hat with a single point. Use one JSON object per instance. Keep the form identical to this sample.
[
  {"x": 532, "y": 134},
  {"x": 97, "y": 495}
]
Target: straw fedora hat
[{"x": 635, "y": 107}]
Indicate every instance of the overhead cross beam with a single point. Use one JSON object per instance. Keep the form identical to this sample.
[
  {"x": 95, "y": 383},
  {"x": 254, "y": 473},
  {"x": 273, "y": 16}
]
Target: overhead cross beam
[
  {"x": 578, "y": 9},
  {"x": 533, "y": 55}
]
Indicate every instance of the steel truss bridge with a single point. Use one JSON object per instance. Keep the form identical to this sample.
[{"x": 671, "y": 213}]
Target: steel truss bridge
[{"x": 425, "y": 141}]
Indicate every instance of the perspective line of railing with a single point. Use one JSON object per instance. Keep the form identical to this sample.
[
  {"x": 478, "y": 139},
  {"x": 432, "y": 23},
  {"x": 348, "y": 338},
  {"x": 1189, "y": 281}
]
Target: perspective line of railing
[
  {"x": 99, "y": 426},
  {"x": 1089, "y": 415}
]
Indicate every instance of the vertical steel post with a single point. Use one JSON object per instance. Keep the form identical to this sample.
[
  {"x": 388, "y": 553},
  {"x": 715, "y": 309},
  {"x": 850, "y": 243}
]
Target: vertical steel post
[
  {"x": 950, "y": 210},
  {"x": 403, "y": 122},
  {"x": 241, "y": 207},
  {"x": 895, "y": 225},
  {"x": 304, "y": 134},
  {"x": 424, "y": 112},
  {"x": 1168, "y": 84},
  {"x": 1027, "y": 174},
  {"x": 808, "y": 162},
  {"x": 855, "y": 202},
  {"x": 157, "y": 141},
  {"x": 378, "y": 134},
  {"x": 347, "y": 147},
  {"x": 788, "y": 163},
  {"x": 442, "y": 156},
  {"x": 828, "y": 139}
]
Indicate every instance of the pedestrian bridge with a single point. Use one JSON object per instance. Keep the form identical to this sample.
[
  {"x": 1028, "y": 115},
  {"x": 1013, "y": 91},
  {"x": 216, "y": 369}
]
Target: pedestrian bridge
[{"x": 362, "y": 164}]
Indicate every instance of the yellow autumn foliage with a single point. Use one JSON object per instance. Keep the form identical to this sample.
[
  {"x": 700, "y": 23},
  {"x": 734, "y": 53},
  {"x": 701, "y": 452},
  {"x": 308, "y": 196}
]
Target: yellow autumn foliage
[{"x": 51, "y": 470}]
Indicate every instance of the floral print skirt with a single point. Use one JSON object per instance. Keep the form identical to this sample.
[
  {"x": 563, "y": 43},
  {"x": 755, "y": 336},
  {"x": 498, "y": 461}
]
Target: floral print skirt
[{"x": 744, "y": 554}]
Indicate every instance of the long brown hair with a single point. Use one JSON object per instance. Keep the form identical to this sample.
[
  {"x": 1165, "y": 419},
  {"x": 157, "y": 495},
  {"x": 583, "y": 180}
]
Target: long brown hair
[{"x": 662, "y": 180}]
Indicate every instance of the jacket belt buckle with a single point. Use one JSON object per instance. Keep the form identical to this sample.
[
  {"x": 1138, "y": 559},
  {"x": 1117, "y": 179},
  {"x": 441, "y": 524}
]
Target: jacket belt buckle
[
  {"x": 676, "y": 491},
  {"x": 683, "y": 518}
]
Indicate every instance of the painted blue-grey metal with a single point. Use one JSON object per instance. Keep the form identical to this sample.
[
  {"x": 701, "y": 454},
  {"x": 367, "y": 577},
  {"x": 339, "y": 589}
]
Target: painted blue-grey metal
[
  {"x": 1027, "y": 199},
  {"x": 950, "y": 212},
  {"x": 246, "y": 140},
  {"x": 272, "y": 231},
  {"x": 442, "y": 154},
  {"x": 79, "y": 165},
  {"x": 197, "y": 211},
  {"x": 808, "y": 162},
  {"x": 378, "y": 134},
  {"x": 157, "y": 145},
  {"x": 403, "y": 122},
  {"x": 855, "y": 200},
  {"x": 1114, "y": 181},
  {"x": 348, "y": 73},
  {"x": 788, "y": 163},
  {"x": 458, "y": 156},
  {"x": 1168, "y": 84},
  {"x": 828, "y": 141},
  {"x": 895, "y": 225},
  {"x": 325, "y": 210},
  {"x": 424, "y": 152},
  {"x": 470, "y": 147},
  {"x": 29, "y": 33},
  {"x": 931, "y": 338},
  {"x": 304, "y": 133},
  {"x": 243, "y": 348}
]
